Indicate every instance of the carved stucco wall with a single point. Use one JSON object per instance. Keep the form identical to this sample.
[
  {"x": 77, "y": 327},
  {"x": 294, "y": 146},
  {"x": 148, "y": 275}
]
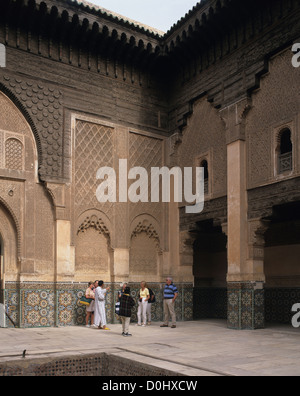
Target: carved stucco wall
[
  {"x": 146, "y": 152},
  {"x": 275, "y": 105},
  {"x": 204, "y": 138},
  {"x": 92, "y": 255},
  {"x": 25, "y": 198},
  {"x": 94, "y": 145},
  {"x": 143, "y": 256},
  {"x": 98, "y": 144},
  {"x": 145, "y": 249},
  {"x": 42, "y": 105},
  {"x": 8, "y": 234}
]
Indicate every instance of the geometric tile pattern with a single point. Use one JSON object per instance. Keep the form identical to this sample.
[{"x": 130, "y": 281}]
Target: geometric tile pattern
[
  {"x": 240, "y": 304},
  {"x": 12, "y": 306},
  {"x": 58, "y": 305},
  {"x": 246, "y": 307},
  {"x": 38, "y": 308}
]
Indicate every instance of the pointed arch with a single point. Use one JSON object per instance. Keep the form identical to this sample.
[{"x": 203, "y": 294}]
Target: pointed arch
[
  {"x": 93, "y": 252},
  {"x": 10, "y": 95},
  {"x": 149, "y": 225}
]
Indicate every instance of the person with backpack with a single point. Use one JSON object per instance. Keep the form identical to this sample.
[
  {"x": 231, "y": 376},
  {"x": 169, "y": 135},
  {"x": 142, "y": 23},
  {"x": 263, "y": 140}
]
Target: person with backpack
[{"x": 126, "y": 305}]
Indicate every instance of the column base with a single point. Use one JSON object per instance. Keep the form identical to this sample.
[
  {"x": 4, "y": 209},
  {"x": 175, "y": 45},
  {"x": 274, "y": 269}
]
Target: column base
[{"x": 246, "y": 306}]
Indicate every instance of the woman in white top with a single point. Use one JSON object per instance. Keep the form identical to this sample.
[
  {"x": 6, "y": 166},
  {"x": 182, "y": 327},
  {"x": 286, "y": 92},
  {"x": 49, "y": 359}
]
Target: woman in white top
[
  {"x": 100, "y": 314},
  {"x": 90, "y": 309},
  {"x": 144, "y": 296}
]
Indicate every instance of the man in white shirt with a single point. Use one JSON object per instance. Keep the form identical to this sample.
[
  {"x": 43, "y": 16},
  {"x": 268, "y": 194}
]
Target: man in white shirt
[{"x": 100, "y": 314}]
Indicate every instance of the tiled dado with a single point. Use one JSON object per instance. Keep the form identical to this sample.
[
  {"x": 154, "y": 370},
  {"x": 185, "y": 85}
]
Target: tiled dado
[
  {"x": 246, "y": 306},
  {"x": 49, "y": 305}
]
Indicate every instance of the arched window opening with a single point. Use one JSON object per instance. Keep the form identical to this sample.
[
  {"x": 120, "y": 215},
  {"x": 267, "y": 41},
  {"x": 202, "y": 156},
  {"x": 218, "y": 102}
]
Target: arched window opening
[
  {"x": 204, "y": 165},
  {"x": 285, "y": 159}
]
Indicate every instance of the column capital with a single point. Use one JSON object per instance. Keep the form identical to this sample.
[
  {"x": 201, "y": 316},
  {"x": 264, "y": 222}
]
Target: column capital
[
  {"x": 234, "y": 117},
  {"x": 186, "y": 248},
  {"x": 174, "y": 142},
  {"x": 256, "y": 232},
  {"x": 59, "y": 193}
]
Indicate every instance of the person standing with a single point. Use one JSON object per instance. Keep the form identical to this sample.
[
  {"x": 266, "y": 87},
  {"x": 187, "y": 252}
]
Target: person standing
[
  {"x": 170, "y": 296},
  {"x": 126, "y": 305},
  {"x": 144, "y": 296},
  {"x": 122, "y": 291},
  {"x": 149, "y": 307},
  {"x": 90, "y": 294},
  {"x": 100, "y": 314},
  {"x": 120, "y": 294}
]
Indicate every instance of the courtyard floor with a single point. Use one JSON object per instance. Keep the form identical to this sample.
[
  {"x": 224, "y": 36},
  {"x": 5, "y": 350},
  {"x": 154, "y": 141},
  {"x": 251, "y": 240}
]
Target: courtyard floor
[{"x": 203, "y": 348}]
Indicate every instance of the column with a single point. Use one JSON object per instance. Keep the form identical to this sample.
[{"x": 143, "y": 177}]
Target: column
[
  {"x": 245, "y": 277},
  {"x": 120, "y": 236}
]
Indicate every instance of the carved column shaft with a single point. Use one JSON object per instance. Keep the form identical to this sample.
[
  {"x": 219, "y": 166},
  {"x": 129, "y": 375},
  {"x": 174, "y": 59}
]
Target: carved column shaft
[
  {"x": 234, "y": 118},
  {"x": 245, "y": 238}
]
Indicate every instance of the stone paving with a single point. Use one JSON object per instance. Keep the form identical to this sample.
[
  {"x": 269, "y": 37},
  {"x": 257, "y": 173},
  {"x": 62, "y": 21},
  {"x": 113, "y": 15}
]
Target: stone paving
[{"x": 203, "y": 348}]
